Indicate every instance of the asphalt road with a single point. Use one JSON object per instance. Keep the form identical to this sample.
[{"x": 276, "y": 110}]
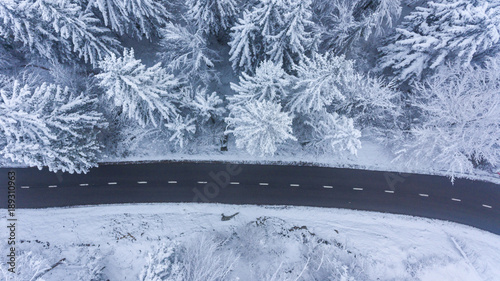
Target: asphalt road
[{"x": 473, "y": 203}]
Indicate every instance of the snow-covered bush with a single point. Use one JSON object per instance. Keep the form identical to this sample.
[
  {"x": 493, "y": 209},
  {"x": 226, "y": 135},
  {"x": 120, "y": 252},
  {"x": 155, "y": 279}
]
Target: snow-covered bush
[
  {"x": 49, "y": 126},
  {"x": 29, "y": 266},
  {"x": 270, "y": 82},
  {"x": 459, "y": 120},
  {"x": 185, "y": 51},
  {"x": 259, "y": 126},
  {"x": 333, "y": 134},
  {"x": 443, "y": 31},
  {"x": 55, "y": 29},
  {"x": 279, "y": 30},
  {"x": 134, "y": 17},
  {"x": 145, "y": 94},
  {"x": 205, "y": 106},
  {"x": 213, "y": 15},
  {"x": 199, "y": 259}
]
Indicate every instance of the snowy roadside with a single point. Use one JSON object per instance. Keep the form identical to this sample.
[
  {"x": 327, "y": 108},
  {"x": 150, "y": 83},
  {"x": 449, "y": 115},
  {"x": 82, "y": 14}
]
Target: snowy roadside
[
  {"x": 371, "y": 156},
  {"x": 367, "y": 245}
]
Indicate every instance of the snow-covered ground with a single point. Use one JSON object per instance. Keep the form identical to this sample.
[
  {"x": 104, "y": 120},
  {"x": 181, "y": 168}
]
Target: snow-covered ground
[{"x": 259, "y": 243}]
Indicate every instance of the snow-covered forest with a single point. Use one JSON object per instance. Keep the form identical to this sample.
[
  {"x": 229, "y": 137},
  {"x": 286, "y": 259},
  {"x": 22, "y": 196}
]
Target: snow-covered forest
[{"x": 83, "y": 81}]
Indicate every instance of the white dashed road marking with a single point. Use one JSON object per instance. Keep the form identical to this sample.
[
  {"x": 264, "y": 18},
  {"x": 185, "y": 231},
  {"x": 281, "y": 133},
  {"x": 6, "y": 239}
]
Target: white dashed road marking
[
  {"x": 263, "y": 183},
  {"x": 456, "y": 199},
  {"x": 84, "y": 184},
  {"x": 487, "y": 206},
  {"x": 25, "y": 186},
  {"x": 294, "y": 184},
  {"x": 357, "y": 188},
  {"x": 389, "y": 191},
  {"x": 234, "y": 182},
  {"x": 142, "y": 182},
  {"x": 423, "y": 195},
  {"x": 172, "y": 181},
  {"x": 112, "y": 183},
  {"x": 52, "y": 186},
  {"x": 327, "y": 186},
  {"x": 202, "y": 182}
]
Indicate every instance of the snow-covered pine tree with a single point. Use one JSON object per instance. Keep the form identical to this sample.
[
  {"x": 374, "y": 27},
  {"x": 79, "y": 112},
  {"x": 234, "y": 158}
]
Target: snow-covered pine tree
[
  {"x": 279, "y": 30},
  {"x": 444, "y": 31},
  {"x": 162, "y": 264},
  {"x": 332, "y": 133},
  {"x": 185, "y": 51},
  {"x": 259, "y": 126},
  {"x": 291, "y": 39},
  {"x": 55, "y": 29},
  {"x": 214, "y": 16},
  {"x": 134, "y": 17},
  {"x": 246, "y": 44},
  {"x": 342, "y": 23},
  {"x": 460, "y": 120},
  {"x": 144, "y": 94},
  {"x": 49, "y": 126},
  {"x": 270, "y": 82},
  {"x": 320, "y": 81},
  {"x": 181, "y": 130},
  {"x": 205, "y": 106}
]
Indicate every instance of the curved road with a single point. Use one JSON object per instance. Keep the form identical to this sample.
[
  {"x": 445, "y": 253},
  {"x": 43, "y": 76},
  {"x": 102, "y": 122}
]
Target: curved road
[{"x": 473, "y": 203}]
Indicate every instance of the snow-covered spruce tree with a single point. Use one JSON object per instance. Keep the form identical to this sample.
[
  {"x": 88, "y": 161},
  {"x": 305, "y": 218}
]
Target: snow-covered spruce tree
[
  {"x": 321, "y": 80},
  {"x": 332, "y": 133},
  {"x": 162, "y": 264},
  {"x": 443, "y": 31},
  {"x": 55, "y": 29},
  {"x": 270, "y": 82},
  {"x": 205, "y": 106},
  {"x": 49, "y": 126},
  {"x": 279, "y": 30},
  {"x": 181, "y": 130},
  {"x": 259, "y": 126},
  {"x": 460, "y": 120},
  {"x": 144, "y": 94},
  {"x": 342, "y": 23},
  {"x": 213, "y": 15},
  {"x": 184, "y": 50},
  {"x": 139, "y": 18},
  {"x": 246, "y": 44}
]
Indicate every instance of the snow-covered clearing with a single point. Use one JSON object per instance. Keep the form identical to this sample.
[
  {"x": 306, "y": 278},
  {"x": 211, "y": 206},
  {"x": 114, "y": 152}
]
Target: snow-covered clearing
[{"x": 271, "y": 243}]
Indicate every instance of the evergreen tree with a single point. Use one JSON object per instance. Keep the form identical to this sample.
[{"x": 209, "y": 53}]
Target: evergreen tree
[
  {"x": 49, "y": 126},
  {"x": 259, "y": 126},
  {"x": 443, "y": 31},
  {"x": 144, "y": 94},
  {"x": 270, "y": 82},
  {"x": 213, "y": 15}
]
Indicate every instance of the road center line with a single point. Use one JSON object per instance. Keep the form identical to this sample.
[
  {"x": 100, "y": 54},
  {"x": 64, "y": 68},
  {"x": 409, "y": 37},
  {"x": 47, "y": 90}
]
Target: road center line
[
  {"x": 263, "y": 183},
  {"x": 294, "y": 184},
  {"x": 172, "y": 181},
  {"x": 327, "y": 186},
  {"x": 389, "y": 191},
  {"x": 487, "y": 206},
  {"x": 357, "y": 188},
  {"x": 112, "y": 183},
  {"x": 202, "y": 182},
  {"x": 423, "y": 195},
  {"x": 52, "y": 186},
  {"x": 142, "y": 182},
  {"x": 84, "y": 184},
  {"x": 25, "y": 186},
  {"x": 234, "y": 182},
  {"x": 456, "y": 199}
]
